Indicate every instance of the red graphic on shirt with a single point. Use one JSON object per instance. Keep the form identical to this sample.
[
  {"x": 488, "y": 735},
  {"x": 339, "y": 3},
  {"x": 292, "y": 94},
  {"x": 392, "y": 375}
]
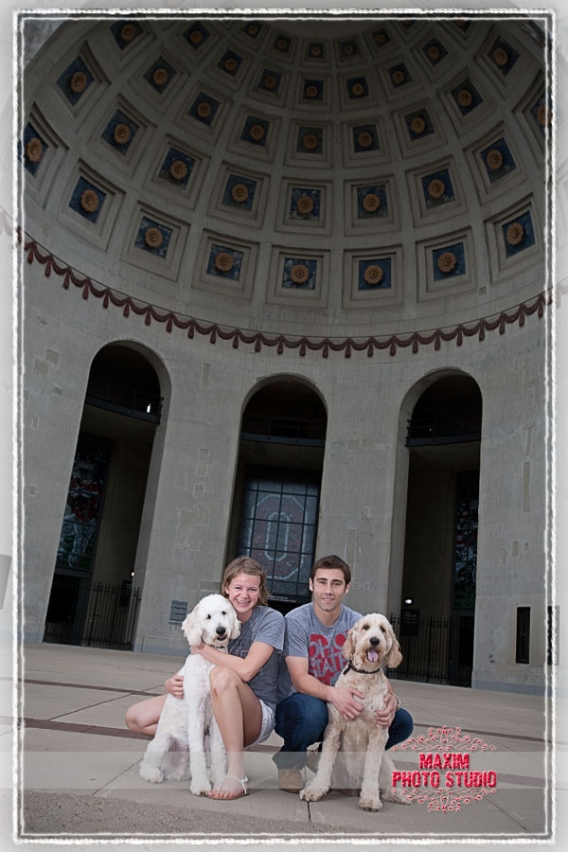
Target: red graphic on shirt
[{"x": 326, "y": 658}]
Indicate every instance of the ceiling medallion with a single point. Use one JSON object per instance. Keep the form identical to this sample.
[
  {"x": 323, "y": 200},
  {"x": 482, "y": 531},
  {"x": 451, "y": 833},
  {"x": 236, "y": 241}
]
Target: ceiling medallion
[
  {"x": 315, "y": 50},
  {"x": 239, "y": 193},
  {"x": 515, "y": 234},
  {"x": 544, "y": 116},
  {"x": 89, "y": 201},
  {"x": 269, "y": 81},
  {"x": 34, "y": 150},
  {"x": 299, "y": 273},
  {"x": 121, "y": 134},
  {"x": 153, "y": 238},
  {"x": 357, "y": 89},
  {"x": 348, "y": 50},
  {"x": 282, "y": 44},
  {"x": 224, "y": 261},
  {"x": 78, "y": 82},
  {"x": 397, "y": 77},
  {"x": 305, "y": 205},
  {"x": 365, "y": 139},
  {"x": 204, "y": 109},
  {"x": 434, "y": 52},
  {"x": 447, "y": 262},
  {"x": 465, "y": 98},
  {"x": 257, "y": 131},
  {"x": 128, "y": 32},
  {"x": 196, "y": 37},
  {"x": 178, "y": 170},
  {"x": 418, "y": 125},
  {"x": 312, "y": 91},
  {"x": 494, "y": 160},
  {"x": 310, "y": 141},
  {"x": 231, "y": 64},
  {"x": 501, "y": 56},
  {"x": 371, "y": 202},
  {"x": 380, "y": 37},
  {"x": 373, "y": 274},
  {"x": 253, "y": 29},
  {"x": 436, "y": 188},
  {"x": 160, "y": 76}
]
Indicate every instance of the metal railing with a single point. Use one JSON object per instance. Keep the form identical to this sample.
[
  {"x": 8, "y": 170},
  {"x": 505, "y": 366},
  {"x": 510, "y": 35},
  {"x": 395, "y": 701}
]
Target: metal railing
[
  {"x": 435, "y": 650},
  {"x": 424, "y": 430},
  {"x": 283, "y": 430},
  {"x": 111, "y": 615},
  {"x": 126, "y": 400}
]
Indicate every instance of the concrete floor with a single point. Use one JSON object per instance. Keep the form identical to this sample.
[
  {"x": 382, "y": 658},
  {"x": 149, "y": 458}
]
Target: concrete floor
[{"x": 77, "y": 768}]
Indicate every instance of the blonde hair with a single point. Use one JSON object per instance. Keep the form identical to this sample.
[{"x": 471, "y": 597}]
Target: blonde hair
[{"x": 246, "y": 565}]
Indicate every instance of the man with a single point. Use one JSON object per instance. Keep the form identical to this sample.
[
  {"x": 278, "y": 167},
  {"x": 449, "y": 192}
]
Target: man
[{"x": 315, "y": 635}]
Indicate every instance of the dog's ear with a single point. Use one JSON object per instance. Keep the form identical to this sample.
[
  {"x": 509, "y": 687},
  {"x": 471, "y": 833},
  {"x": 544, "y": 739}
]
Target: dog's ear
[
  {"x": 394, "y": 656},
  {"x": 192, "y": 628},
  {"x": 236, "y": 628},
  {"x": 348, "y": 648}
]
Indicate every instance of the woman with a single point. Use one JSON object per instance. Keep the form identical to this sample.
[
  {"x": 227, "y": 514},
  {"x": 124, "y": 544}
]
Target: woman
[{"x": 243, "y": 682}]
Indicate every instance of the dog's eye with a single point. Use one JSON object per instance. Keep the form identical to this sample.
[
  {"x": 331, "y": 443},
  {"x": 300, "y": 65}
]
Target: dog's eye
[
  {"x": 383, "y": 629},
  {"x": 223, "y": 613},
  {"x": 209, "y": 616},
  {"x": 365, "y": 627}
]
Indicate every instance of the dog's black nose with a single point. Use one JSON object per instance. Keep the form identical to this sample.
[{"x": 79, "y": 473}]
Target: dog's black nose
[
  {"x": 220, "y": 631},
  {"x": 374, "y": 640}
]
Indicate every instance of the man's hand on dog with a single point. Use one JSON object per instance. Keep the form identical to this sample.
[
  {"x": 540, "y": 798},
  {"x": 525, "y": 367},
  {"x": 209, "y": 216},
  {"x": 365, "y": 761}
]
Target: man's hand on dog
[
  {"x": 344, "y": 699},
  {"x": 385, "y": 716},
  {"x": 174, "y": 685}
]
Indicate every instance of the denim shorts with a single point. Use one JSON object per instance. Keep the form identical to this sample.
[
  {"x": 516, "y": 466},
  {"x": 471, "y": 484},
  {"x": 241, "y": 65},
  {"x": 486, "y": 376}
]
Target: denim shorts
[{"x": 267, "y": 725}]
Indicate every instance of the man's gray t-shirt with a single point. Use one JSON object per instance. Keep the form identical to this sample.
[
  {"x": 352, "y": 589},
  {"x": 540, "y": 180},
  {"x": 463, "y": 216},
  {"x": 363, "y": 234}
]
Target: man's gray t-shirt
[
  {"x": 306, "y": 636},
  {"x": 264, "y": 625}
]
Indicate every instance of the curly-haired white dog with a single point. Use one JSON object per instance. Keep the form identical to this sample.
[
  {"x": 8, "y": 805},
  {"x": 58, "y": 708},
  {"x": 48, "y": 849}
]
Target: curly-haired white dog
[
  {"x": 185, "y": 721},
  {"x": 370, "y": 644}
]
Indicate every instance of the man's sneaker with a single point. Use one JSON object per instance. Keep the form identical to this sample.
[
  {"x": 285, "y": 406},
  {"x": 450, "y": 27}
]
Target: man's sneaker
[
  {"x": 290, "y": 780},
  {"x": 313, "y": 757}
]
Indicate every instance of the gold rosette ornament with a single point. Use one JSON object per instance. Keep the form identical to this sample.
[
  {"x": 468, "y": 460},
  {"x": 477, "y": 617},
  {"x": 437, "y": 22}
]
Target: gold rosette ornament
[
  {"x": 312, "y": 91},
  {"x": 89, "y": 201},
  {"x": 153, "y": 238},
  {"x": 299, "y": 273},
  {"x": 178, "y": 170},
  {"x": 447, "y": 262},
  {"x": 121, "y": 134},
  {"x": 494, "y": 160},
  {"x": 270, "y": 81},
  {"x": 418, "y": 125},
  {"x": 373, "y": 274},
  {"x": 436, "y": 188},
  {"x": 365, "y": 139},
  {"x": 515, "y": 234},
  {"x": 380, "y": 38},
  {"x": 78, "y": 82},
  {"x": 256, "y": 132},
  {"x": 230, "y": 64},
  {"x": 315, "y": 50},
  {"x": 357, "y": 89},
  {"x": 224, "y": 261},
  {"x": 310, "y": 141},
  {"x": 239, "y": 193},
  {"x": 34, "y": 150},
  {"x": 204, "y": 109},
  {"x": 501, "y": 56},
  {"x": 253, "y": 29},
  {"x": 434, "y": 52},
  {"x": 348, "y": 50},
  {"x": 465, "y": 98},
  {"x": 371, "y": 202},
  {"x": 397, "y": 77},
  {"x": 305, "y": 205},
  {"x": 282, "y": 44},
  {"x": 128, "y": 32},
  {"x": 160, "y": 76},
  {"x": 196, "y": 37}
]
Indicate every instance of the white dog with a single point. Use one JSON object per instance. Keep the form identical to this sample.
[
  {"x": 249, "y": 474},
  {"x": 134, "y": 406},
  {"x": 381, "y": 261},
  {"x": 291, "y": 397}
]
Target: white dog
[
  {"x": 370, "y": 644},
  {"x": 185, "y": 721}
]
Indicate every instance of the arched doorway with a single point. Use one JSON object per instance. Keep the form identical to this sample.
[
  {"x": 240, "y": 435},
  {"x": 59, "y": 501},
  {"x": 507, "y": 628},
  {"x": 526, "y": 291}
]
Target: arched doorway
[
  {"x": 437, "y": 608},
  {"x": 278, "y": 482},
  {"x": 94, "y": 596}
]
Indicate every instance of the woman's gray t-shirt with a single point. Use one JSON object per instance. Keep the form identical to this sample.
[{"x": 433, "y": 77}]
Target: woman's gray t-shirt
[{"x": 264, "y": 625}]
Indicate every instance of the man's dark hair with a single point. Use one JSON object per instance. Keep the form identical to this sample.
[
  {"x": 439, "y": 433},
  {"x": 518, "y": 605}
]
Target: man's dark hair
[{"x": 332, "y": 562}]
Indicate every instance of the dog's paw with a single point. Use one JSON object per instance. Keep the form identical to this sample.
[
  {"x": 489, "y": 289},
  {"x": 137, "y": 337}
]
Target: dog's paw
[
  {"x": 370, "y": 803},
  {"x": 312, "y": 794},
  {"x": 199, "y": 788},
  {"x": 180, "y": 775},
  {"x": 153, "y": 774}
]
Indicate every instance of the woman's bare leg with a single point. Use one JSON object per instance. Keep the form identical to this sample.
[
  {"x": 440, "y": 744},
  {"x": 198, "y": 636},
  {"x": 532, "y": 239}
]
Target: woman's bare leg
[
  {"x": 239, "y": 716},
  {"x": 143, "y": 717}
]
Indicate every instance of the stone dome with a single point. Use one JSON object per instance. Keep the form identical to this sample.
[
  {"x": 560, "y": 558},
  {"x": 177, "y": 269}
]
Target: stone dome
[{"x": 326, "y": 178}]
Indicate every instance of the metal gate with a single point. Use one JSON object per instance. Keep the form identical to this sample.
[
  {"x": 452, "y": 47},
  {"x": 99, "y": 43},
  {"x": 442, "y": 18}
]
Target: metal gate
[
  {"x": 434, "y": 650},
  {"x": 110, "y": 615}
]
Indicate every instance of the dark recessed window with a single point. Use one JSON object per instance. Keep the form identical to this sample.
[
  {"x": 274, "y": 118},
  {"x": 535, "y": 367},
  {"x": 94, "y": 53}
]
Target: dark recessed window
[{"x": 523, "y": 634}]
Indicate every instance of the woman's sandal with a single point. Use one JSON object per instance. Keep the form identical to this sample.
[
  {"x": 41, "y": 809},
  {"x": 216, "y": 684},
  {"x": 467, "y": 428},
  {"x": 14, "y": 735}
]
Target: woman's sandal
[{"x": 242, "y": 781}]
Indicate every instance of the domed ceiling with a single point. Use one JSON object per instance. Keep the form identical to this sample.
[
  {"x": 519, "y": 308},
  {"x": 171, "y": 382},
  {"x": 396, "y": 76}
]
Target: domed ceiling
[{"x": 333, "y": 178}]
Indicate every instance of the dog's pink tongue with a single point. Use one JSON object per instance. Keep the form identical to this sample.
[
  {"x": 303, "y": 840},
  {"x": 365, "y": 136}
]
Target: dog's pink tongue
[{"x": 372, "y": 655}]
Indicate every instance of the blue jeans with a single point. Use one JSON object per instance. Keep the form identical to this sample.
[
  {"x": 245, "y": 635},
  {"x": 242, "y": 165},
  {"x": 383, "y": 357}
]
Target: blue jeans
[{"x": 302, "y": 719}]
